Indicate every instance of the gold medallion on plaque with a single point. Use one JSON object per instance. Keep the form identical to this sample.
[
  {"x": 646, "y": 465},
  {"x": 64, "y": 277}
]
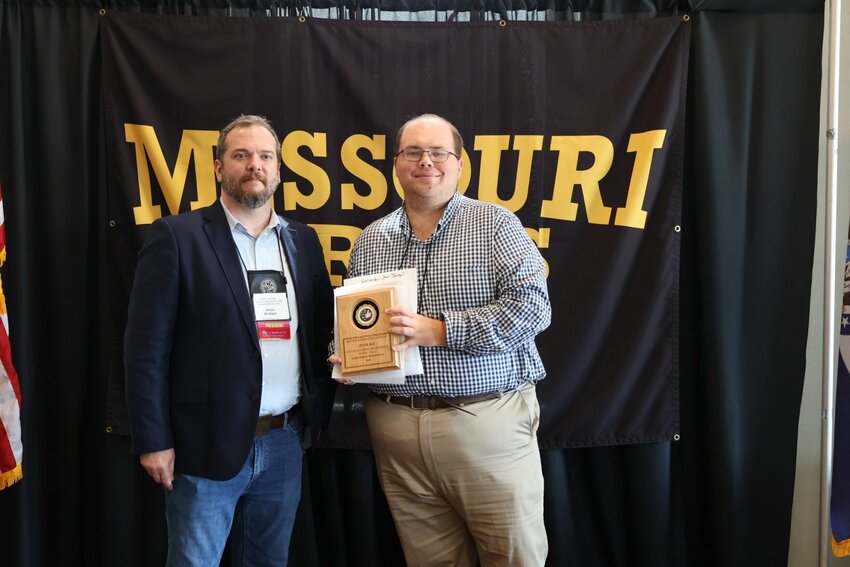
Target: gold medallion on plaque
[{"x": 363, "y": 328}]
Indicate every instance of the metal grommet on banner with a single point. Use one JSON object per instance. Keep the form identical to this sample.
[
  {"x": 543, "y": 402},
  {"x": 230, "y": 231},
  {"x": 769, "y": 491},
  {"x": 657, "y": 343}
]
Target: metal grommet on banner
[
  {"x": 101, "y": 12},
  {"x": 302, "y": 19},
  {"x": 108, "y": 429},
  {"x": 502, "y": 23},
  {"x": 112, "y": 224},
  {"x": 677, "y": 228},
  {"x": 686, "y": 18},
  {"x": 677, "y": 437}
]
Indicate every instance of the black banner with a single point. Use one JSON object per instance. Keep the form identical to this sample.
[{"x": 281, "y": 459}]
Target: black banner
[{"x": 576, "y": 127}]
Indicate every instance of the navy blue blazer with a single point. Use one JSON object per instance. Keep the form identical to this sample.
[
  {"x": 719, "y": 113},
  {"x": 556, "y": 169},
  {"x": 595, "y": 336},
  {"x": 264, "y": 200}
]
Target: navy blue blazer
[{"x": 192, "y": 359}]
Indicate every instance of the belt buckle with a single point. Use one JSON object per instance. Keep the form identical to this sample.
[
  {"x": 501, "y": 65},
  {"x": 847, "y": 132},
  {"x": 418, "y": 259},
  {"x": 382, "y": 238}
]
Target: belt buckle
[{"x": 425, "y": 402}]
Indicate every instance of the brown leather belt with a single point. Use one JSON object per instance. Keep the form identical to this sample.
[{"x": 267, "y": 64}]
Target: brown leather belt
[
  {"x": 266, "y": 423},
  {"x": 437, "y": 402}
]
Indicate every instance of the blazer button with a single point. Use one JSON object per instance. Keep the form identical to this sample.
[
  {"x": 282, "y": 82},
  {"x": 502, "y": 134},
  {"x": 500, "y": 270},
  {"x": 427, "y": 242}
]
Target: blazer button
[{"x": 255, "y": 397}]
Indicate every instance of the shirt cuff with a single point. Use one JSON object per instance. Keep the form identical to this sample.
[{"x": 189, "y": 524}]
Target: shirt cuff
[{"x": 455, "y": 330}]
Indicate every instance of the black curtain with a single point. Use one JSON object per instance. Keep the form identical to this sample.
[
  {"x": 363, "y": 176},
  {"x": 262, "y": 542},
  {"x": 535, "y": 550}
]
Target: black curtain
[{"x": 719, "y": 496}]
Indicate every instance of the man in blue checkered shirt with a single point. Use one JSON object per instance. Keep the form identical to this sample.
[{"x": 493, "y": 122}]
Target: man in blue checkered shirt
[{"x": 456, "y": 447}]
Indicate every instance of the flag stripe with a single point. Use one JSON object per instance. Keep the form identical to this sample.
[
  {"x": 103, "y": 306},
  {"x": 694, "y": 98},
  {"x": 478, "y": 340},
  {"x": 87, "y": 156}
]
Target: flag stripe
[
  {"x": 6, "y": 367},
  {"x": 3, "y": 231},
  {"x": 10, "y": 435},
  {"x": 11, "y": 446},
  {"x": 7, "y": 456}
]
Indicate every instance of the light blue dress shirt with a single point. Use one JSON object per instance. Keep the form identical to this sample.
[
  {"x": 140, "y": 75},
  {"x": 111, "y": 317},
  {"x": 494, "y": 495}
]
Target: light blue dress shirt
[{"x": 281, "y": 360}]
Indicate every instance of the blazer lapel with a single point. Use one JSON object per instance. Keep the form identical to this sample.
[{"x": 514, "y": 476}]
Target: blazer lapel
[
  {"x": 218, "y": 233},
  {"x": 290, "y": 245}
]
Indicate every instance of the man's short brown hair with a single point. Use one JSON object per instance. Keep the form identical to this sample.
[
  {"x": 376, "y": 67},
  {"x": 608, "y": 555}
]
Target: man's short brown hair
[{"x": 245, "y": 121}]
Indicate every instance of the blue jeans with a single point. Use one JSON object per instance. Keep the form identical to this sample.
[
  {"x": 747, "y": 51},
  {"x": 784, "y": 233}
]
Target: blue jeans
[{"x": 259, "y": 503}]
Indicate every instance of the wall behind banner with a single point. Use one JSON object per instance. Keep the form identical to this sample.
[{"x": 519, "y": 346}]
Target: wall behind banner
[{"x": 720, "y": 496}]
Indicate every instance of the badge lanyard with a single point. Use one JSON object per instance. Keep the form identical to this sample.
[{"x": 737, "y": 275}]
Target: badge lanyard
[
  {"x": 271, "y": 304},
  {"x": 422, "y": 283}
]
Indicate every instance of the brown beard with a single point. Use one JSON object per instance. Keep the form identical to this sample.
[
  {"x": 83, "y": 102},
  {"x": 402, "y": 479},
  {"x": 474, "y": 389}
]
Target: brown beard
[{"x": 233, "y": 188}]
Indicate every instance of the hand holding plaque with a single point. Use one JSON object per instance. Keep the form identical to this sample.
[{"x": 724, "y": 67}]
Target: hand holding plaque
[{"x": 363, "y": 332}]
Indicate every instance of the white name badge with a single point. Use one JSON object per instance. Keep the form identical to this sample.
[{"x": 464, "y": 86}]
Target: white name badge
[{"x": 271, "y": 307}]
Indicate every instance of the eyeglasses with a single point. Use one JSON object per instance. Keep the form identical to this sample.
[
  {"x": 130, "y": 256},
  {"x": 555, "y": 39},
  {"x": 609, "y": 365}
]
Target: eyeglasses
[{"x": 415, "y": 154}]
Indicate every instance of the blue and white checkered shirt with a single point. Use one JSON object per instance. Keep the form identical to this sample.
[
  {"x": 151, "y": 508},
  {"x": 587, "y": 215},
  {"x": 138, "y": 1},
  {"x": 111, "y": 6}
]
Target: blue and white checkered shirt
[{"x": 480, "y": 273}]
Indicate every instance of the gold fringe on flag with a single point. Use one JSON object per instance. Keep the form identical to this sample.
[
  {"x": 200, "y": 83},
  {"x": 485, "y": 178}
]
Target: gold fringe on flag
[
  {"x": 840, "y": 549},
  {"x": 2, "y": 295},
  {"x": 9, "y": 478}
]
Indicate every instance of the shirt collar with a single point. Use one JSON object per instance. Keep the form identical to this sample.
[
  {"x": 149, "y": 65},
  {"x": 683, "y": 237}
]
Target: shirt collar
[
  {"x": 451, "y": 208},
  {"x": 448, "y": 213},
  {"x": 233, "y": 222}
]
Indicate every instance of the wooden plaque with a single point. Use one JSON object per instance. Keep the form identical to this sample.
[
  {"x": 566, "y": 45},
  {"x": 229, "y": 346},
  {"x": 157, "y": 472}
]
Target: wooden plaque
[{"x": 363, "y": 328}]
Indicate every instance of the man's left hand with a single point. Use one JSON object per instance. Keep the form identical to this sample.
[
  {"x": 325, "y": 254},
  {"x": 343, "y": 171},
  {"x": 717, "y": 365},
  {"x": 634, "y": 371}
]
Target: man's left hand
[
  {"x": 333, "y": 360},
  {"x": 416, "y": 329}
]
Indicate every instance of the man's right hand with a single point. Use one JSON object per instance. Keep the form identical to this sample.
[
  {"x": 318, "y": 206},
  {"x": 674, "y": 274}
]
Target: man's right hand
[{"x": 160, "y": 466}]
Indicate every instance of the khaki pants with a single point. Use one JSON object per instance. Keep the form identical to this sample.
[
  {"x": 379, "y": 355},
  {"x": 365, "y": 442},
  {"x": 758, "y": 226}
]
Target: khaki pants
[{"x": 458, "y": 484}]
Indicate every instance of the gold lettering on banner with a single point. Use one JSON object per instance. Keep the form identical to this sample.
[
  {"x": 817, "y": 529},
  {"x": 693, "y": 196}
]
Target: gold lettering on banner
[
  {"x": 333, "y": 233},
  {"x": 541, "y": 239},
  {"x": 643, "y": 145},
  {"x": 293, "y": 197},
  {"x": 373, "y": 177},
  {"x": 327, "y": 233},
  {"x": 491, "y": 148},
  {"x": 567, "y": 176},
  {"x": 372, "y": 189},
  {"x": 197, "y": 143}
]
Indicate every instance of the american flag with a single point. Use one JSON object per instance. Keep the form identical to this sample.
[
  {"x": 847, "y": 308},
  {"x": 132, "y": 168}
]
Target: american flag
[{"x": 11, "y": 448}]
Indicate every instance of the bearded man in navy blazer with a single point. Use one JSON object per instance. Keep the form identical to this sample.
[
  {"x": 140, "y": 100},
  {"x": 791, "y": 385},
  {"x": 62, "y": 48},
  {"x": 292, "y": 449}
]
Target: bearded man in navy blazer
[{"x": 229, "y": 319}]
